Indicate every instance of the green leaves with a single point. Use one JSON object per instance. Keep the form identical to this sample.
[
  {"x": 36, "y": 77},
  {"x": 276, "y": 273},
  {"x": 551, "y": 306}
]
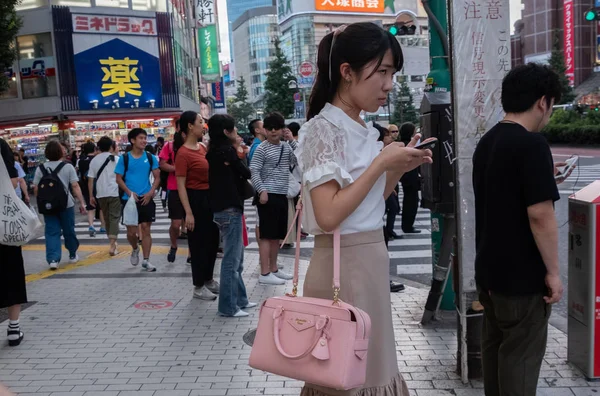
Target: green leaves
[
  {"x": 10, "y": 24},
  {"x": 239, "y": 108},
  {"x": 278, "y": 96}
]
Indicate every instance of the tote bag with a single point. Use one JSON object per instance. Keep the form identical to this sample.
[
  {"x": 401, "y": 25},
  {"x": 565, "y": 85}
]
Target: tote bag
[{"x": 18, "y": 223}]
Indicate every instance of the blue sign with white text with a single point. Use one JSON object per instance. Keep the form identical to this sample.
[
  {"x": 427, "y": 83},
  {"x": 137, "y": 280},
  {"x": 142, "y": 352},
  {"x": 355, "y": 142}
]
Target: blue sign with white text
[{"x": 116, "y": 74}]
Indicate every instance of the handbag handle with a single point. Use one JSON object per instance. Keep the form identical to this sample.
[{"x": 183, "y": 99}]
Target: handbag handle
[
  {"x": 312, "y": 346},
  {"x": 336, "y": 253}
]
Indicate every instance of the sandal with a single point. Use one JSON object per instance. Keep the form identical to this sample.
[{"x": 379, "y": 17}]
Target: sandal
[{"x": 16, "y": 342}]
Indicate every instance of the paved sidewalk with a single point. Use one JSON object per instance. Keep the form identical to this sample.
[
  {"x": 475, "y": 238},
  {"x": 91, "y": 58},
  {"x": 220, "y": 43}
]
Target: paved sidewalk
[{"x": 90, "y": 332}]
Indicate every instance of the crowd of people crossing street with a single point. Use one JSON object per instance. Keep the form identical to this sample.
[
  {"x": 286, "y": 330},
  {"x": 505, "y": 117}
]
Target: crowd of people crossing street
[{"x": 352, "y": 181}]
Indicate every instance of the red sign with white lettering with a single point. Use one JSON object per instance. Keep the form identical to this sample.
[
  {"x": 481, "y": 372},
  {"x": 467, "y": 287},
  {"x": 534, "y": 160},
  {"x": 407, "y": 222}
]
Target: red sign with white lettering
[
  {"x": 569, "y": 40},
  {"x": 88, "y": 23},
  {"x": 306, "y": 69}
]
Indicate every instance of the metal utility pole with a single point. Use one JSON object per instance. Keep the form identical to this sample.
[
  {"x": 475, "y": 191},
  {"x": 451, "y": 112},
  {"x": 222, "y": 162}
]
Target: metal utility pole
[{"x": 478, "y": 51}]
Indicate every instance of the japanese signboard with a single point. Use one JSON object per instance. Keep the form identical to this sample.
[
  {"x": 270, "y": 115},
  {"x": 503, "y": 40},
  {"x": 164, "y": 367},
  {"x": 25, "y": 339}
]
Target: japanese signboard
[
  {"x": 89, "y": 23},
  {"x": 209, "y": 54},
  {"x": 481, "y": 58},
  {"x": 350, "y": 5},
  {"x": 205, "y": 12},
  {"x": 119, "y": 72},
  {"x": 218, "y": 93},
  {"x": 569, "y": 40}
]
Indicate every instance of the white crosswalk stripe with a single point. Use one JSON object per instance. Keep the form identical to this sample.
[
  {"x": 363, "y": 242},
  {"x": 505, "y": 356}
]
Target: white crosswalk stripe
[
  {"x": 581, "y": 177},
  {"x": 409, "y": 255}
]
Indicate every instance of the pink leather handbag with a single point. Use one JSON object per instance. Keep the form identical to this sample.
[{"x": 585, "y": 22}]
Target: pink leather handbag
[{"x": 319, "y": 341}]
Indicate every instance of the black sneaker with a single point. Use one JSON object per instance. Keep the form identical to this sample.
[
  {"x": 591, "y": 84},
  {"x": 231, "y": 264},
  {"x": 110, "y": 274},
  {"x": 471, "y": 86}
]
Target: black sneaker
[
  {"x": 183, "y": 235},
  {"x": 172, "y": 254},
  {"x": 396, "y": 287}
]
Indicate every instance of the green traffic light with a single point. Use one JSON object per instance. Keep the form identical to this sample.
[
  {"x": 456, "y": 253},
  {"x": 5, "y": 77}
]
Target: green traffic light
[
  {"x": 590, "y": 15},
  {"x": 394, "y": 30}
]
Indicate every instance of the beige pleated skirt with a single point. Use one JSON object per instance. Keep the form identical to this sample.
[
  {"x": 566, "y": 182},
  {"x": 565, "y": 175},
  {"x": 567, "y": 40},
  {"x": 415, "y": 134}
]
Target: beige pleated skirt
[{"x": 364, "y": 279}]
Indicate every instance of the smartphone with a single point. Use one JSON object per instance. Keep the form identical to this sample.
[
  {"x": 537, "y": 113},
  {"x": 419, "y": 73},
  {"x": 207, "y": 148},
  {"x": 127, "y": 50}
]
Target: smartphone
[
  {"x": 426, "y": 145},
  {"x": 564, "y": 170}
]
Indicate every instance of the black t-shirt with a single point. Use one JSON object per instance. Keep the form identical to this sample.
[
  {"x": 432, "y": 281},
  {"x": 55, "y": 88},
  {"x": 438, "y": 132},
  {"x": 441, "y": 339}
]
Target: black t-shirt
[
  {"x": 9, "y": 159},
  {"x": 512, "y": 170}
]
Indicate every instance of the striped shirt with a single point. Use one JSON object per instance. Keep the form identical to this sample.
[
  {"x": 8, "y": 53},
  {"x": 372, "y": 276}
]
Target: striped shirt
[{"x": 270, "y": 166}]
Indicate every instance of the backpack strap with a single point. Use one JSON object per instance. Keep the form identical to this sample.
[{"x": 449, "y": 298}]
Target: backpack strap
[
  {"x": 110, "y": 158},
  {"x": 125, "y": 165},
  {"x": 58, "y": 168},
  {"x": 150, "y": 161},
  {"x": 43, "y": 170}
]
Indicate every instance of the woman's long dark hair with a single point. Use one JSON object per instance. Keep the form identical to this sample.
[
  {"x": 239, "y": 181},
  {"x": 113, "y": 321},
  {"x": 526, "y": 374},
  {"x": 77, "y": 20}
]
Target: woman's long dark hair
[
  {"x": 217, "y": 125},
  {"x": 358, "y": 44},
  {"x": 187, "y": 118}
]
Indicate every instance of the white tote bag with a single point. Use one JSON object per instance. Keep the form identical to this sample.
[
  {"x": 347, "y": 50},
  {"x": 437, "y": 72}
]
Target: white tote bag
[{"x": 18, "y": 223}]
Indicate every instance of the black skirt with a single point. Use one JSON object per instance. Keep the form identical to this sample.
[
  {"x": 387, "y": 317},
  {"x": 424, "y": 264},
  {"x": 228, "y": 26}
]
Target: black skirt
[{"x": 12, "y": 276}]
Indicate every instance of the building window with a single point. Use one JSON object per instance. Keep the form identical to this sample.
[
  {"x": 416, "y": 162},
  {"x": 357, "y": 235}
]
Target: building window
[
  {"x": 113, "y": 3},
  {"x": 36, "y": 64},
  {"x": 12, "y": 91}
]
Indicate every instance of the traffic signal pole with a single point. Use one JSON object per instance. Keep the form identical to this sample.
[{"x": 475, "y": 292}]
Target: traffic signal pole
[{"x": 469, "y": 56}]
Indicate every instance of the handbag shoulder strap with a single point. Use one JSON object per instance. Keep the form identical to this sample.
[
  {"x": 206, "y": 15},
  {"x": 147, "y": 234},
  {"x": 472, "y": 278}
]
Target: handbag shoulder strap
[{"x": 336, "y": 253}]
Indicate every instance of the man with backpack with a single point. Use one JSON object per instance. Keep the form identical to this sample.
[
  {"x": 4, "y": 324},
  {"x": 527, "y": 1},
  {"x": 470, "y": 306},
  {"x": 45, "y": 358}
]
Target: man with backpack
[
  {"x": 104, "y": 191},
  {"x": 88, "y": 152},
  {"x": 133, "y": 177},
  {"x": 51, "y": 186}
]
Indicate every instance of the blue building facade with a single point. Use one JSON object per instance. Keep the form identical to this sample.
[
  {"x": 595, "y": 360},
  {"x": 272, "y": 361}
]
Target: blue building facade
[{"x": 235, "y": 8}]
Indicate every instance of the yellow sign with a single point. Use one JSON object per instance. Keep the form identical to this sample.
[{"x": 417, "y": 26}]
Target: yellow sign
[
  {"x": 122, "y": 77},
  {"x": 373, "y": 6}
]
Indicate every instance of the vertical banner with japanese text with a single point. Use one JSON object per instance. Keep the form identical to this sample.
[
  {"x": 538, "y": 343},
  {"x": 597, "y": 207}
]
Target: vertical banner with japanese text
[
  {"x": 209, "y": 53},
  {"x": 569, "y": 37},
  {"x": 480, "y": 60},
  {"x": 205, "y": 13},
  {"x": 218, "y": 92}
]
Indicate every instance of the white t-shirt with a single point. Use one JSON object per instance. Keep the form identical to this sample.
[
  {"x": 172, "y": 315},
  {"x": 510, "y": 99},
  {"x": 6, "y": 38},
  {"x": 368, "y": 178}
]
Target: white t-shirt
[
  {"x": 335, "y": 147},
  {"x": 106, "y": 185}
]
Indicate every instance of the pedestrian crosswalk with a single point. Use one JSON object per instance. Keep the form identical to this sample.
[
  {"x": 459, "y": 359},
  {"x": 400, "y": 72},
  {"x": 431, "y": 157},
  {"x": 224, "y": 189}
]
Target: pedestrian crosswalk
[
  {"x": 408, "y": 256},
  {"x": 581, "y": 177}
]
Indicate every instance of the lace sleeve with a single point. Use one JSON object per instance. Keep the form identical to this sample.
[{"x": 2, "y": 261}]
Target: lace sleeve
[{"x": 321, "y": 154}]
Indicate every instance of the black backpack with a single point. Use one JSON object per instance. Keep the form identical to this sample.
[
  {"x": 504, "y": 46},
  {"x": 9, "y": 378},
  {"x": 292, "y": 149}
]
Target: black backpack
[{"x": 52, "y": 196}]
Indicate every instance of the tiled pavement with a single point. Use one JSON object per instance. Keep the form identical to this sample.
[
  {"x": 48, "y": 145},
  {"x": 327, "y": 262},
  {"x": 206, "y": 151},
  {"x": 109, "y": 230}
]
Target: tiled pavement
[{"x": 85, "y": 336}]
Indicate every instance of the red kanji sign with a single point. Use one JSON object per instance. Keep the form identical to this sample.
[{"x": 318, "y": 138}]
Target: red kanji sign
[{"x": 89, "y": 23}]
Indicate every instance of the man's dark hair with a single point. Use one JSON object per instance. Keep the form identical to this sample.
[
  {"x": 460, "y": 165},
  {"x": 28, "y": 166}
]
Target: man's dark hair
[
  {"x": 104, "y": 144},
  {"x": 252, "y": 126},
  {"x": 54, "y": 150},
  {"x": 204, "y": 100},
  {"x": 150, "y": 148},
  {"x": 294, "y": 127},
  {"x": 160, "y": 139},
  {"x": 274, "y": 121},
  {"x": 383, "y": 132},
  {"x": 407, "y": 130},
  {"x": 88, "y": 148},
  {"x": 22, "y": 149},
  {"x": 526, "y": 84},
  {"x": 134, "y": 133}
]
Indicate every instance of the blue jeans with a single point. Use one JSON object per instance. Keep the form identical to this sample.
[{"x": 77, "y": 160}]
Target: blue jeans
[
  {"x": 232, "y": 294},
  {"x": 64, "y": 221}
]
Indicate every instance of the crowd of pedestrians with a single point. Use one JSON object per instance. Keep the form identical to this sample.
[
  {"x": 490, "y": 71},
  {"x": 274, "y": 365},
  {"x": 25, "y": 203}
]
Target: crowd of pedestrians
[{"x": 347, "y": 172}]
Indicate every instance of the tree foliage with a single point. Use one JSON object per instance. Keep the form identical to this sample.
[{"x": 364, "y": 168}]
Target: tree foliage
[
  {"x": 404, "y": 108},
  {"x": 238, "y": 106},
  {"x": 558, "y": 65},
  {"x": 10, "y": 24},
  {"x": 278, "y": 96}
]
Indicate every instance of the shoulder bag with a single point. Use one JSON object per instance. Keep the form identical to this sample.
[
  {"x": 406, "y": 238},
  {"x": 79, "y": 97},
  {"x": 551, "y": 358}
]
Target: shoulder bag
[{"x": 319, "y": 341}]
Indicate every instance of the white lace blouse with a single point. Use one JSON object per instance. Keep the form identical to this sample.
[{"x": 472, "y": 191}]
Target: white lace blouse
[{"x": 335, "y": 147}]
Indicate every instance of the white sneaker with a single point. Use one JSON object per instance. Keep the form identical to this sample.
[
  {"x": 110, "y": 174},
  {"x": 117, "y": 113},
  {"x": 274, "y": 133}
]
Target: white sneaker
[
  {"x": 135, "y": 257},
  {"x": 147, "y": 266},
  {"x": 54, "y": 265},
  {"x": 241, "y": 314},
  {"x": 73, "y": 260},
  {"x": 279, "y": 266},
  {"x": 204, "y": 294},
  {"x": 283, "y": 275},
  {"x": 250, "y": 305},
  {"x": 270, "y": 280}
]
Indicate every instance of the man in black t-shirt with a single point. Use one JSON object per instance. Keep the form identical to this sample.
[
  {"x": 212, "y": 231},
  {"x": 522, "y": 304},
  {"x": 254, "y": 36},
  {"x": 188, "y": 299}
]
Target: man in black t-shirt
[{"x": 516, "y": 263}]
